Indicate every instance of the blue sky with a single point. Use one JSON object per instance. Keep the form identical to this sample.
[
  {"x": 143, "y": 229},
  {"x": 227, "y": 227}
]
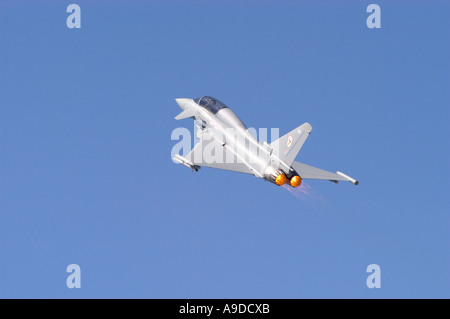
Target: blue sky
[{"x": 86, "y": 117}]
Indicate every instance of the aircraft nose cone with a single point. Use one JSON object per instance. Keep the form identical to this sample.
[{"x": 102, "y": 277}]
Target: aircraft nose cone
[{"x": 182, "y": 103}]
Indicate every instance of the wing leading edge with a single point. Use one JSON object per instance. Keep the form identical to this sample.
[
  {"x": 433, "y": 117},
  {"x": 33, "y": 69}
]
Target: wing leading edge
[{"x": 310, "y": 172}]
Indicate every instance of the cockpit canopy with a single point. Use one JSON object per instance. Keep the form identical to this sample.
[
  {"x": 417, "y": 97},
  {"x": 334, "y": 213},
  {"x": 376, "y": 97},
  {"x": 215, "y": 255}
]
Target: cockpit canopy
[
  {"x": 227, "y": 116},
  {"x": 211, "y": 104}
]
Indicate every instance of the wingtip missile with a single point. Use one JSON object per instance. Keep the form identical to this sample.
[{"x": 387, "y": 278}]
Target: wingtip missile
[
  {"x": 182, "y": 160},
  {"x": 351, "y": 180}
]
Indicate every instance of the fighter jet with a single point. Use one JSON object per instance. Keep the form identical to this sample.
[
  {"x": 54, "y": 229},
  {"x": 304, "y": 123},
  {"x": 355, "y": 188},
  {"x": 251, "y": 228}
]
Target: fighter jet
[{"x": 226, "y": 143}]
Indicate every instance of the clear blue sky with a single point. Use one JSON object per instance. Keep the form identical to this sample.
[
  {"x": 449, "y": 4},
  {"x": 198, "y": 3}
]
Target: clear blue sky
[{"x": 86, "y": 177}]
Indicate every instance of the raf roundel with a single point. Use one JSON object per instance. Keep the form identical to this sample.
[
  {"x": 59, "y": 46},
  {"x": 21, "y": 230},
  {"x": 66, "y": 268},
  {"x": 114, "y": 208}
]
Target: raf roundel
[{"x": 289, "y": 141}]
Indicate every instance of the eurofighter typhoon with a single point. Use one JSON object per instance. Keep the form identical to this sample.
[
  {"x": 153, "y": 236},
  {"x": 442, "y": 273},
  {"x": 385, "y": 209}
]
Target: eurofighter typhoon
[{"x": 226, "y": 143}]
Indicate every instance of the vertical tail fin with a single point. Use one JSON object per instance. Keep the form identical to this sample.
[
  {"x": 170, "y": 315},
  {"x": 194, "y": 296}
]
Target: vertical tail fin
[{"x": 287, "y": 147}]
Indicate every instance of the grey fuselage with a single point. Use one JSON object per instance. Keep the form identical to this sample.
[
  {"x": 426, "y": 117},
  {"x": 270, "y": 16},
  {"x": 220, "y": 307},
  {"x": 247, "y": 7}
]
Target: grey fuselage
[{"x": 230, "y": 132}]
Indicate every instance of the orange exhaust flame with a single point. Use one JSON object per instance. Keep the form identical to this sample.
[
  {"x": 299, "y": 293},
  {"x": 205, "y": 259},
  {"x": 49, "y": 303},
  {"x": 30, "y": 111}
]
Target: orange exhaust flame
[
  {"x": 281, "y": 180},
  {"x": 296, "y": 181}
]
